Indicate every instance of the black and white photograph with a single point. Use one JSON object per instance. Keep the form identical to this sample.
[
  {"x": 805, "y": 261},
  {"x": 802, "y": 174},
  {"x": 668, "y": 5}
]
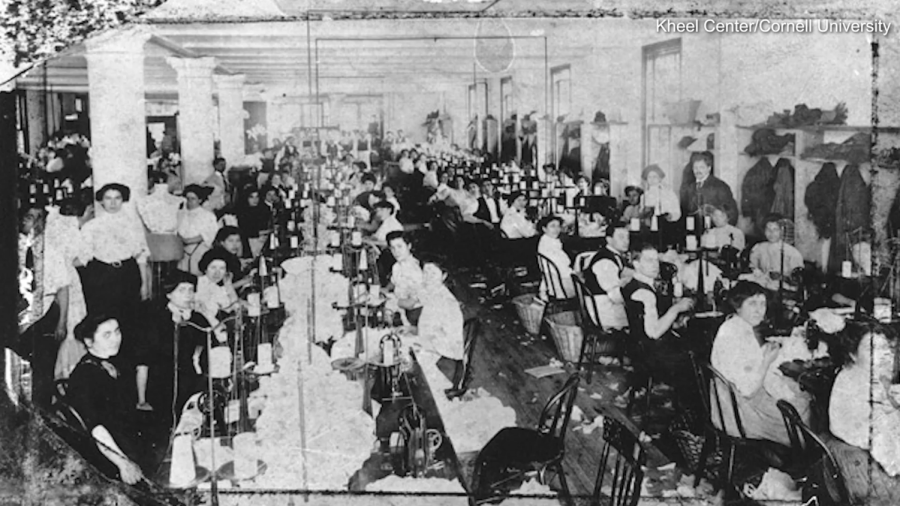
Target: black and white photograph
[{"x": 449, "y": 252}]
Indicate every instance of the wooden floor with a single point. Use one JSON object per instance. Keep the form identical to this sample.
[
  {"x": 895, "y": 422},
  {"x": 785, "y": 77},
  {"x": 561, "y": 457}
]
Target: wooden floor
[{"x": 505, "y": 351}]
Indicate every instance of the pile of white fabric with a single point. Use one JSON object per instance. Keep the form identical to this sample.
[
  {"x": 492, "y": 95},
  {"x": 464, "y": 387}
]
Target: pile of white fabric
[
  {"x": 394, "y": 483},
  {"x": 330, "y": 288},
  {"x": 470, "y": 424},
  {"x": 313, "y": 433}
]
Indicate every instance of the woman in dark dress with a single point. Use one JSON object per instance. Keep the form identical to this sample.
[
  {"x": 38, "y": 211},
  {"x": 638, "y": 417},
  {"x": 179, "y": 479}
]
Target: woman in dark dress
[
  {"x": 103, "y": 396},
  {"x": 254, "y": 220},
  {"x": 170, "y": 348}
]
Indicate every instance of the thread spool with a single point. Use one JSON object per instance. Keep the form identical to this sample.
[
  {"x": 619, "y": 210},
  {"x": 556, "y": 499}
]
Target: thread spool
[
  {"x": 253, "y": 304},
  {"x": 691, "y": 243},
  {"x": 690, "y": 223},
  {"x": 635, "y": 225},
  {"x": 264, "y": 357}
]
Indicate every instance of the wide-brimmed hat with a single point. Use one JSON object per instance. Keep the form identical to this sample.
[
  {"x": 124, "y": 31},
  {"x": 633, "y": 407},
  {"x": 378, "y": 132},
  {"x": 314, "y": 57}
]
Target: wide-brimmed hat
[
  {"x": 652, "y": 168},
  {"x": 766, "y": 142},
  {"x": 232, "y": 264}
]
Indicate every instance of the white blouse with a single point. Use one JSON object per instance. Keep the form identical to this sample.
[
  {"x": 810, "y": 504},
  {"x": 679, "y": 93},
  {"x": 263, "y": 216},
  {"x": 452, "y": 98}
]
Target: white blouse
[
  {"x": 736, "y": 354},
  {"x": 441, "y": 322},
  {"x": 663, "y": 200},
  {"x": 116, "y": 237},
  {"x": 553, "y": 250},
  {"x": 199, "y": 221}
]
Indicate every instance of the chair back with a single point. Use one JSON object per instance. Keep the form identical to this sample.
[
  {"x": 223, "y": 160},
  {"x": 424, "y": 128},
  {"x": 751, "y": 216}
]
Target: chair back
[
  {"x": 701, "y": 376},
  {"x": 582, "y": 260},
  {"x": 552, "y": 278},
  {"x": 627, "y": 468},
  {"x": 558, "y": 410},
  {"x": 586, "y": 301},
  {"x": 808, "y": 448},
  {"x": 723, "y": 402},
  {"x": 471, "y": 331}
]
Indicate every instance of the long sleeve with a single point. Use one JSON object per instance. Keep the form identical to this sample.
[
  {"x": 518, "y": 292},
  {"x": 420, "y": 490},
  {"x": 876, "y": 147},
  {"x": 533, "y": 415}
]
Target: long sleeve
[
  {"x": 737, "y": 355},
  {"x": 607, "y": 273}
]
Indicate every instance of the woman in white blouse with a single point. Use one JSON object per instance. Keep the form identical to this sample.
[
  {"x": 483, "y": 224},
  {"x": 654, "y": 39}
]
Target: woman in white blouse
[
  {"x": 197, "y": 227},
  {"x": 659, "y": 200},
  {"x": 215, "y": 293},
  {"x": 115, "y": 278},
  {"x": 744, "y": 358},
  {"x": 551, "y": 247},
  {"x": 440, "y": 326},
  {"x": 864, "y": 417}
]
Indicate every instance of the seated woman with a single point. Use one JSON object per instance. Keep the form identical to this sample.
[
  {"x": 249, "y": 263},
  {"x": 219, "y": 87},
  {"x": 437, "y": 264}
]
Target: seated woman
[
  {"x": 722, "y": 234},
  {"x": 551, "y": 247},
  {"x": 170, "y": 347},
  {"x": 441, "y": 321},
  {"x": 229, "y": 239},
  {"x": 254, "y": 221},
  {"x": 774, "y": 260},
  {"x": 864, "y": 414},
  {"x": 743, "y": 358},
  {"x": 215, "y": 294},
  {"x": 102, "y": 396},
  {"x": 197, "y": 227},
  {"x": 406, "y": 278}
]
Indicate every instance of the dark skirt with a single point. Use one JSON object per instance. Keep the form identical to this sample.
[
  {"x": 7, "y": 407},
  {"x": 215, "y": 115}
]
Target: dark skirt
[{"x": 114, "y": 291}]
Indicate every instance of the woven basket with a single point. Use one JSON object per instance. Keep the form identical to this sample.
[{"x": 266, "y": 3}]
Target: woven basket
[
  {"x": 689, "y": 436},
  {"x": 567, "y": 334},
  {"x": 531, "y": 311}
]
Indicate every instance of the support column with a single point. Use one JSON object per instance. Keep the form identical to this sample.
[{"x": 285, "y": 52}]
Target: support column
[
  {"x": 36, "y": 105},
  {"x": 231, "y": 117},
  {"x": 195, "y": 109},
  {"x": 115, "y": 64}
]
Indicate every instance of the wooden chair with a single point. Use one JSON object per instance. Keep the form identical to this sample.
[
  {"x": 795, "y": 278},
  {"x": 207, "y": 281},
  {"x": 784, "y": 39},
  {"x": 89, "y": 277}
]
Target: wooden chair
[
  {"x": 592, "y": 328},
  {"x": 582, "y": 260},
  {"x": 627, "y": 470},
  {"x": 553, "y": 281},
  {"x": 721, "y": 388},
  {"x": 463, "y": 373},
  {"x": 808, "y": 450},
  {"x": 515, "y": 451}
]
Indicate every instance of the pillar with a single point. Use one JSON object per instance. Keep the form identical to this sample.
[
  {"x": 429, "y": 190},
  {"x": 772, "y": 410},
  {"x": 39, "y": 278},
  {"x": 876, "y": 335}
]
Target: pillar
[
  {"x": 231, "y": 117},
  {"x": 115, "y": 64},
  {"x": 195, "y": 108},
  {"x": 36, "y": 108}
]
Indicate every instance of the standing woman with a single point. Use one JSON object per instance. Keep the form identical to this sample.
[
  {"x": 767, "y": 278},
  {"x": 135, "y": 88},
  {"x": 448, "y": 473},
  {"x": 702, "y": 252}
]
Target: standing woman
[
  {"x": 254, "y": 220},
  {"x": 115, "y": 279},
  {"x": 197, "y": 227}
]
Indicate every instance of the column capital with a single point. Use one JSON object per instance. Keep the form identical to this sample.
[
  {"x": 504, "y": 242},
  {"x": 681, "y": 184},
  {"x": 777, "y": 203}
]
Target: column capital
[
  {"x": 192, "y": 67},
  {"x": 127, "y": 41},
  {"x": 233, "y": 81}
]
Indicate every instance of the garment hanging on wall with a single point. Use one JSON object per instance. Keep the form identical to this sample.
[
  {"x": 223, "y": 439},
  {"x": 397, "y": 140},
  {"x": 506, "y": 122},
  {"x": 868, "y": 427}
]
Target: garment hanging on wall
[
  {"x": 491, "y": 141},
  {"x": 852, "y": 214},
  {"x": 821, "y": 199},
  {"x": 758, "y": 193},
  {"x": 601, "y": 163},
  {"x": 784, "y": 189}
]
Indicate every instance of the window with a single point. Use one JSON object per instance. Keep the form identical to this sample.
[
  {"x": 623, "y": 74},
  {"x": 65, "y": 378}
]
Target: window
[
  {"x": 506, "y": 98},
  {"x": 561, "y": 91},
  {"x": 478, "y": 100},
  {"x": 661, "y": 85}
]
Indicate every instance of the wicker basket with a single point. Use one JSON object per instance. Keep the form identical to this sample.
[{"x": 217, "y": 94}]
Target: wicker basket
[
  {"x": 567, "y": 334},
  {"x": 531, "y": 312},
  {"x": 689, "y": 435}
]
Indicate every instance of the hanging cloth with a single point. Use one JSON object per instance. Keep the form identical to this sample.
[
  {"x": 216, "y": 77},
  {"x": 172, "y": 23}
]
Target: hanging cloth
[
  {"x": 852, "y": 213},
  {"x": 783, "y": 203},
  {"x": 821, "y": 199},
  {"x": 758, "y": 193}
]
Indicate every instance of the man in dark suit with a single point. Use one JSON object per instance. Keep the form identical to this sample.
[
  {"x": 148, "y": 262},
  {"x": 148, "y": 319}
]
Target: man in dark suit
[
  {"x": 706, "y": 189},
  {"x": 490, "y": 206}
]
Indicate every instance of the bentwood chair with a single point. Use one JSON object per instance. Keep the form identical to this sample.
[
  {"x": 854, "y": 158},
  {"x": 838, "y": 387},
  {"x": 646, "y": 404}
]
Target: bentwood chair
[
  {"x": 463, "y": 374},
  {"x": 515, "y": 452},
  {"x": 726, "y": 420},
  {"x": 814, "y": 458},
  {"x": 559, "y": 299},
  {"x": 592, "y": 328},
  {"x": 627, "y": 465}
]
